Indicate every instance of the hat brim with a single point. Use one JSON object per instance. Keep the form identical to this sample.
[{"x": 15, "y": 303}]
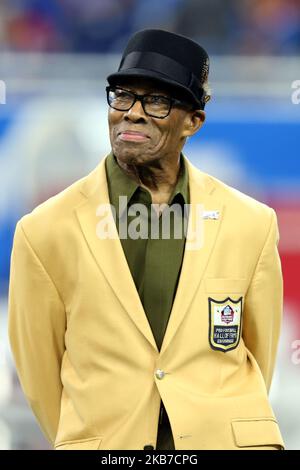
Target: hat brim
[{"x": 159, "y": 77}]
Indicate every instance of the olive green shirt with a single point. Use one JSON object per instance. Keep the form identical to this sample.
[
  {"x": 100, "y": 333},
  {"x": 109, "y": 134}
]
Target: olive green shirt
[{"x": 154, "y": 258}]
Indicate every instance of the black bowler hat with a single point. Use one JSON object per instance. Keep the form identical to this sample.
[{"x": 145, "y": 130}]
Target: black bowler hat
[{"x": 167, "y": 57}]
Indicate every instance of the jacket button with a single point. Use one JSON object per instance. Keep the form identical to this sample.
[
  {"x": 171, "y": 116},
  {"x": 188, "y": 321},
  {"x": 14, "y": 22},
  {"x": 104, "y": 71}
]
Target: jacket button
[
  {"x": 159, "y": 374},
  {"x": 149, "y": 447}
]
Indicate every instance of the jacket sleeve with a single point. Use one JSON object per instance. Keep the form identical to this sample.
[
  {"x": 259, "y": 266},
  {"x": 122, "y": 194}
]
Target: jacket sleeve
[
  {"x": 264, "y": 305},
  {"x": 36, "y": 328}
]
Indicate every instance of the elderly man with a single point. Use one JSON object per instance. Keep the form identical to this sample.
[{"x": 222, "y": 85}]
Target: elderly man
[{"x": 130, "y": 336}]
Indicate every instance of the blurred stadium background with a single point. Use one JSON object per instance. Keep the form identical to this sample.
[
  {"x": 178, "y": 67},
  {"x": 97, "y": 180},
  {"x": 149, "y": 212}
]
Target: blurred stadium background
[{"x": 54, "y": 58}]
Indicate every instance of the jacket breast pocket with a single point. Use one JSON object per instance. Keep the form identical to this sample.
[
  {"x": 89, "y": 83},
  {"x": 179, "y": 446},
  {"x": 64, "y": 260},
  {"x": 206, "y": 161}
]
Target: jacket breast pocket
[
  {"x": 257, "y": 433},
  {"x": 225, "y": 311},
  {"x": 93, "y": 443}
]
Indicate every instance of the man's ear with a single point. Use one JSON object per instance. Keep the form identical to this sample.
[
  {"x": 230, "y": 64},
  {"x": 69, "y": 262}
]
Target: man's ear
[{"x": 193, "y": 121}]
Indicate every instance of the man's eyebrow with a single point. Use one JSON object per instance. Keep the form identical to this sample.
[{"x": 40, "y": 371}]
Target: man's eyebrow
[
  {"x": 160, "y": 92},
  {"x": 151, "y": 90}
]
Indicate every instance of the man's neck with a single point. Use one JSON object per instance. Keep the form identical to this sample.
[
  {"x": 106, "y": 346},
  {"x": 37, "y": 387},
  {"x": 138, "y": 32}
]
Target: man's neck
[{"x": 159, "y": 177}]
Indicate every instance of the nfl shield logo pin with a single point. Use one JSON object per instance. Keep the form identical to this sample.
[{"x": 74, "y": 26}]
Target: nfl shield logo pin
[{"x": 225, "y": 320}]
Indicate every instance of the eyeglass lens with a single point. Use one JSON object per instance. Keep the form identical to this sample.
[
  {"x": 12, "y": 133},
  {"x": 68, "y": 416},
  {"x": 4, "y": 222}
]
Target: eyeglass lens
[{"x": 154, "y": 105}]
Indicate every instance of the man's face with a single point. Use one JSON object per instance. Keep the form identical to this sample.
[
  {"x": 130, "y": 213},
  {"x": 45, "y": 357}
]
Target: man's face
[{"x": 159, "y": 138}]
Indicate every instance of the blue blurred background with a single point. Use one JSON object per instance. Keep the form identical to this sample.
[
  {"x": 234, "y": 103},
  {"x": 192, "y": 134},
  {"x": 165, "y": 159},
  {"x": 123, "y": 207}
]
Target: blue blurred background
[{"x": 54, "y": 58}]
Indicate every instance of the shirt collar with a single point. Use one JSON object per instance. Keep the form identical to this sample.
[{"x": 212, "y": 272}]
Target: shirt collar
[{"x": 120, "y": 184}]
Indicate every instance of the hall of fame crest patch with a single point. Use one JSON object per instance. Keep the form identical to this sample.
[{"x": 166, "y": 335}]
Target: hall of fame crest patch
[{"x": 225, "y": 320}]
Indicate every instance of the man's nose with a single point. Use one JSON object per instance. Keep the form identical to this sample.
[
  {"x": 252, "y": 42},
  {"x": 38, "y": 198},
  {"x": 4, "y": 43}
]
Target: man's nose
[{"x": 136, "y": 111}]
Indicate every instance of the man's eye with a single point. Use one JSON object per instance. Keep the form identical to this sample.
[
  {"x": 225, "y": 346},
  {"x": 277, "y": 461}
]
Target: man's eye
[
  {"x": 120, "y": 94},
  {"x": 156, "y": 99}
]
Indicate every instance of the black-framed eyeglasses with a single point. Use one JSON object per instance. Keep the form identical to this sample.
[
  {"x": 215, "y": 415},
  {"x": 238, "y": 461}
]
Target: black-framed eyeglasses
[{"x": 158, "y": 106}]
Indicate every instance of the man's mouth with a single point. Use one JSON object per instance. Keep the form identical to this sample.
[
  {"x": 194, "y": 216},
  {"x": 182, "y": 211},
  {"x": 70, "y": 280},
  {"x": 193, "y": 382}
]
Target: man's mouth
[{"x": 133, "y": 136}]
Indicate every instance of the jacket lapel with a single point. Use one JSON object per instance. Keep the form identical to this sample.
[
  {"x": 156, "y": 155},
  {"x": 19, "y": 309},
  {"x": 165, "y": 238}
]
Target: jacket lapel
[
  {"x": 108, "y": 252},
  {"x": 196, "y": 256}
]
